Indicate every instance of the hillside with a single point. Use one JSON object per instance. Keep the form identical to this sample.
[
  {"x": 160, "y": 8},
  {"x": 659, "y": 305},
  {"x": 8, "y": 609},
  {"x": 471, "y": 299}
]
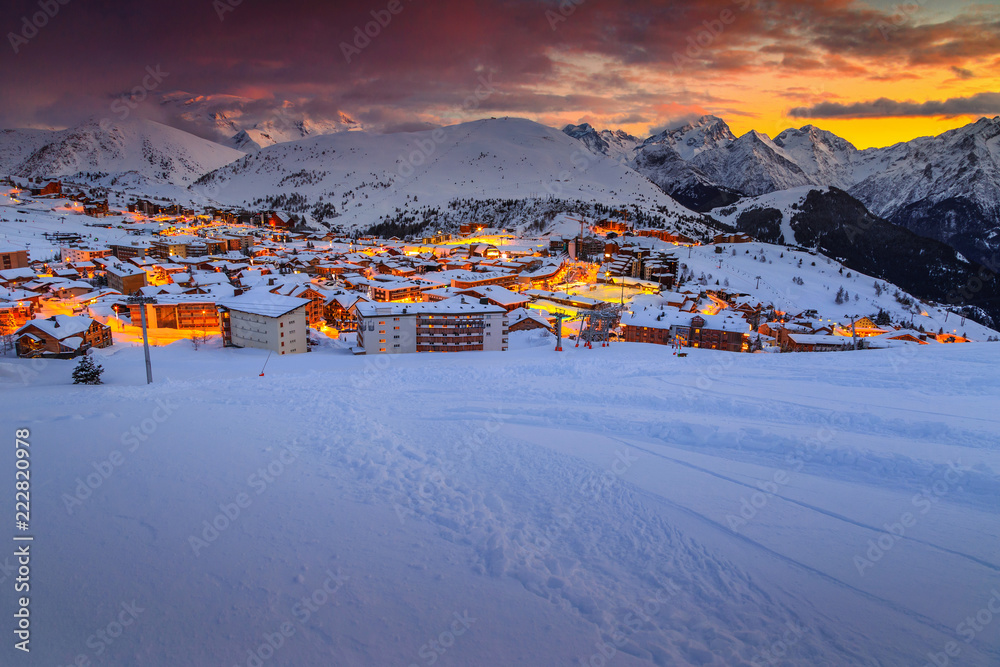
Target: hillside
[
  {"x": 830, "y": 221},
  {"x": 946, "y": 187},
  {"x": 357, "y": 179},
  {"x": 135, "y": 155}
]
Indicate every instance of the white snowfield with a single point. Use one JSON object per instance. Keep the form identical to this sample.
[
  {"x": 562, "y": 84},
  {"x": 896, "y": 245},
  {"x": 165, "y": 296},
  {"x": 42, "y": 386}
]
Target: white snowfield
[
  {"x": 617, "y": 506},
  {"x": 370, "y": 175}
]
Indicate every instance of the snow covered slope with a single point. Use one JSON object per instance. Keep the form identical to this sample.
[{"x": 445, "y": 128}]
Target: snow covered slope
[
  {"x": 367, "y": 177},
  {"x": 245, "y": 124},
  {"x": 784, "y": 202},
  {"x": 753, "y": 164},
  {"x": 945, "y": 187},
  {"x": 825, "y": 158},
  {"x": 285, "y": 129},
  {"x": 618, "y": 144},
  {"x": 694, "y": 138},
  {"x": 832, "y": 222},
  {"x": 610, "y": 506},
  {"x": 132, "y": 154},
  {"x": 17, "y": 145}
]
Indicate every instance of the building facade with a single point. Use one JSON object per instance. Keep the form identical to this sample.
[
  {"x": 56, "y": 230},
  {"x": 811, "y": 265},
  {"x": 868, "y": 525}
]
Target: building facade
[
  {"x": 459, "y": 324},
  {"x": 12, "y": 258},
  {"x": 266, "y": 321}
]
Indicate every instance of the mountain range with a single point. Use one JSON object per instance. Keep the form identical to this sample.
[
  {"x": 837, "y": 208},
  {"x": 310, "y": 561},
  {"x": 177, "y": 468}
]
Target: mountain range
[
  {"x": 235, "y": 122},
  {"x": 945, "y": 187},
  {"x": 806, "y": 187}
]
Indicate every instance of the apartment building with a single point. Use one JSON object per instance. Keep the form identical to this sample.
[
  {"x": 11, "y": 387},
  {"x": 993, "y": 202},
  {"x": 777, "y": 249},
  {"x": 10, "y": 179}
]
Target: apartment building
[
  {"x": 124, "y": 277},
  {"x": 668, "y": 326},
  {"x": 13, "y": 258},
  {"x": 72, "y": 254},
  {"x": 266, "y": 321},
  {"x": 459, "y": 324}
]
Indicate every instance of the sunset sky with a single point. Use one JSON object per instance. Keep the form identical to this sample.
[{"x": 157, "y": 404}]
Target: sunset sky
[{"x": 872, "y": 72}]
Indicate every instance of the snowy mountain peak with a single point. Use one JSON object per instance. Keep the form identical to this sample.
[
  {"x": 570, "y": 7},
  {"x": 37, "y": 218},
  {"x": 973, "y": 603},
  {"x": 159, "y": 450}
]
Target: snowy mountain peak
[
  {"x": 691, "y": 139},
  {"x": 287, "y": 128},
  {"x": 132, "y": 153},
  {"x": 613, "y": 143},
  {"x": 363, "y": 178}
]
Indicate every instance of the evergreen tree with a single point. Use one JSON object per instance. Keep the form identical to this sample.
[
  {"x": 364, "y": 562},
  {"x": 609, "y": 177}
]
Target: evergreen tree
[
  {"x": 840, "y": 296},
  {"x": 87, "y": 372}
]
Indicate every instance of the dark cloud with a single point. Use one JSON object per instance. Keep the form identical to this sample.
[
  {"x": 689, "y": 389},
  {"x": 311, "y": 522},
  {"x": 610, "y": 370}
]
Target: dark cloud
[
  {"x": 420, "y": 65},
  {"x": 982, "y": 104}
]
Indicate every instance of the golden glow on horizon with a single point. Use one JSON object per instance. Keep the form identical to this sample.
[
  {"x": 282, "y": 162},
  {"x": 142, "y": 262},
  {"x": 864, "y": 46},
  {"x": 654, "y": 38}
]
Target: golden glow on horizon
[{"x": 639, "y": 98}]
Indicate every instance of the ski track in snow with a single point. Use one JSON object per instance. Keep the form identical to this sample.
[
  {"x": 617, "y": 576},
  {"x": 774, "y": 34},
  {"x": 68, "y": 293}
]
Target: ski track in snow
[{"x": 516, "y": 461}]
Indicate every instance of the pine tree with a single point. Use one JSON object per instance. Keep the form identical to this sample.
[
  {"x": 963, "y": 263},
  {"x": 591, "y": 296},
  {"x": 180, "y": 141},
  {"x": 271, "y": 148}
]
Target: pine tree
[
  {"x": 87, "y": 372},
  {"x": 840, "y": 296}
]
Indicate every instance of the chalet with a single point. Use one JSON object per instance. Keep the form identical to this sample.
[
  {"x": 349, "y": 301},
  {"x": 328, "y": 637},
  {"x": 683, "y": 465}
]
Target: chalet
[
  {"x": 61, "y": 336},
  {"x": 316, "y": 308},
  {"x": 527, "y": 319},
  {"x": 396, "y": 290},
  {"x": 339, "y": 309},
  {"x": 803, "y": 342},
  {"x": 498, "y": 296},
  {"x": 13, "y": 278},
  {"x": 96, "y": 209},
  {"x": 862, "y": 328},
  {"x": 279, "y": 220},
  {"x": 667, "y": 326},
  {"x": 467, "y": 279},
  {"x": 899, "y": 337},
  {"x": 14, "y": 314},
  {"x": 178, "y": 311},
  {"x": 39, "y": 187},
  {"x": 145, "y": 207}
]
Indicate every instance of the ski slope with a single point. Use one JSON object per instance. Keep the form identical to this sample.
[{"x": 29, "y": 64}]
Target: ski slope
[
  {"x": 610, "y": 506},
  {"x": 367, "y": 176}
]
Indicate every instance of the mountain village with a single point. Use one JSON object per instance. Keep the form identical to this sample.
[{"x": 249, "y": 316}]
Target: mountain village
[{"x": 95, "y": 276}]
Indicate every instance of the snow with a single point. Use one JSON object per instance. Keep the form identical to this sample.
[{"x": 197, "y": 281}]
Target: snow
[
  {"x": 780, "y": 200},
  {"x": 821, "y": 277},
  {"x": 264, "y": 303},
  {"x": 136, "y": 155},
  {"x": 367, "y": 176},
  {"x": 696, "y": 511}
]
